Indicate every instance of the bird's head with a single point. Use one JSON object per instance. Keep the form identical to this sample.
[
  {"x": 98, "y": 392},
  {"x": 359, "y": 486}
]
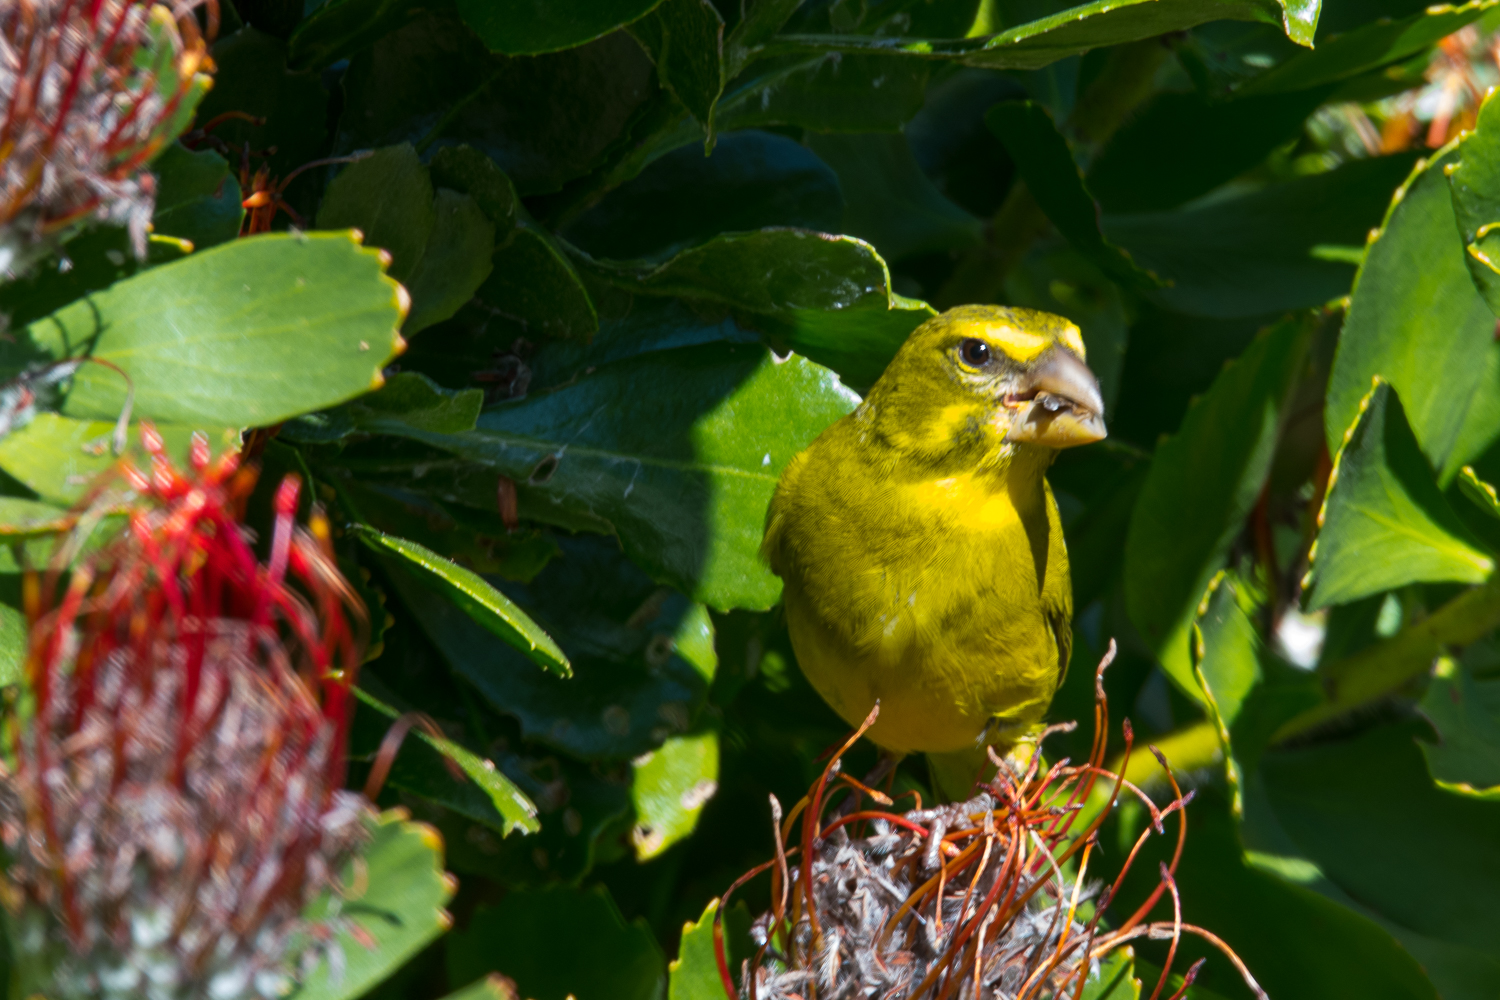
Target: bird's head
[{"x": 989, "y": 376}]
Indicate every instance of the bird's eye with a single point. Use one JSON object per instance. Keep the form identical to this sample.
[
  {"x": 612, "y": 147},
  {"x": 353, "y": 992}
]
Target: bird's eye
[{"x": 974, "y": 352}]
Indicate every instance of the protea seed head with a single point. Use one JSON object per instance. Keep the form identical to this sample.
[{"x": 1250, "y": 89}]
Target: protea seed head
[
  {"x": 176, "y": 798},
  {"x": 90, "y": 92}
]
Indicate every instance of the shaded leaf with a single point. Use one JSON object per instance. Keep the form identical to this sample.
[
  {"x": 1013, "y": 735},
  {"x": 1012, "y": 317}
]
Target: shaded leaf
[
  {"x": 468, "y": 171},
  {"x": 1042, "y": 155},
  {"x": 1384, "y": 523},
  {"x": 827, "y": 92},
  {"x": 59, "y": 457},
  {"x": 608, "y": 959},
  {"x": 1474, "y": 180},
  {"x": 1466, "y": 714},
  {"x": 339, "y": 28},
  {"x": 253, "y": 79},
  {"x": 889, "y": 201},
  {"x": 197, "y": 199},
  {"x": 670, "y": 787},
  {"x": 534, "y": 283},
  {"x": 1425, "y": 330},
  {"x": 529, "y": 27},
  {"x": 1203, "y": 482},
  {"x": 455, "y": 263},
  {"x": 487, "y": 796},
  {"x": 387, "y": 196},
  {"x": 752, "y": 180},
  {"x": 1479, "y": 491},
  {"x": 642, "y": 657},
  {"x": 400, "y": 911},
  {"x": 1271, "y": 250},
  {"x": 686, "y": 41},
  {"x": 470, "y": 592}
]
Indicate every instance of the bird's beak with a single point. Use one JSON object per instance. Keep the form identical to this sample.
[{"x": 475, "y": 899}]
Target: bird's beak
[{"x": 1059, "y": 405}]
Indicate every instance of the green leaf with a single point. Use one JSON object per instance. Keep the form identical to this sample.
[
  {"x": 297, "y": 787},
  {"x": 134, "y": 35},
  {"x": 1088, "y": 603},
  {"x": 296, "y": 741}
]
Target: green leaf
[
  {"x": 694, "y": 973},
  {"x": 607, "y": 958},
  {"x": 686, "y": 41},
  {"x": 1466, "y": 714},
  {"x": 30, "y": 518},
  {"x": 827, "y": 92},
  {"x": 533, "y": 281},
  {"x": 387, "y": 196},
  {"x": 1474, "y": 181},
  {"x": 1385, "y": 523},
  {"x": 1425, "y": 330},
  {"x": 642, "y": 656},
  {"x": 1203, "y": 483},
  {"x": 1068, "y": 32},
  {"x": 1115, "y": 979},
  {"x": 1046, "y": 163},
  {"x": 480, "y": 601},
  {"x": 1266, "y": 251},
  {"x": 197, "y": 198},
  {"x": 670, "y": 787},
  {"x": 268, "y": 327},
  {"x": 400, "y": 911},
  {"x": 468, "y": 171},
  {"x": 494, "y": 987},
  {"x": 339, "y": 28},
  {"x": 1481, "y": 492},
  {"x": 487, "y": 796},
  {"x": 682, "y": 479},
  {"x": 1368, "y": 47},
  {"x": 455, "y": 264},
  {"x": 1147, "y": 166},
  {"x": 890, "y": 201},
  {"x": 529, "y": 27},
  {"x": 1365, "y": 811},
  {"x": 752, "y": 180},
  {"x": 59, "y": 458},
  {"x": 1227, "y": 653},
  {"x": 253, "y": 79},
  {"x": 545, "y": 120}
]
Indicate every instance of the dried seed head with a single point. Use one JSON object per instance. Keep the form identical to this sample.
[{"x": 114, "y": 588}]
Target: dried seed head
[
  {"x": 90, "y": 92},
  {"x": 179, "y": 745}
]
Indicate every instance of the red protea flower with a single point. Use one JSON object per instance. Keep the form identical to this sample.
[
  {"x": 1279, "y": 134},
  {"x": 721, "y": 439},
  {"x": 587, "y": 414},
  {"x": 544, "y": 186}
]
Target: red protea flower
[
  {"x": 179, "y": 745},
  {"x": 91, "y": 90}
]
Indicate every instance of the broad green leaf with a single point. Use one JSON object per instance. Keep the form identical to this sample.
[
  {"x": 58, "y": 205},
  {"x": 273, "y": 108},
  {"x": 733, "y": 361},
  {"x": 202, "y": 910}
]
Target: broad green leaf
[
  {"x": 528, "y": 27},
  {"x": 1178, "y": 145},
  {"x": 686, "y": 41},
  {"x": 487, "y": 795},
  {"x": 752, "y": 180},
  {"x": 473, "y": 594},
  {"x": 642, "y": 656},
  {"x": 1227, "y": 663},
  {"x": 245, "y": 334},
  {"x": 670, "y": 787},
  {"x": 544, "y": 120},
  {"x": 683, "y": 479},
  {"x": 1267, "y": 916},
  {"x": 468, "y": 171},
  {"x": 1481, "y": 492},
  {"x": 1115, "y": 978},
  {"x": 827, "y": 92},
  {"x": 533, "y": 281},
  {"x": 1267, "y": 251},
  {"x": 1384, "y": 523},
  {"x": 1046, "y": 163},
  {"x": 522, "y": 936},
  {"x": 400, "y": 911},
  {"x": 30, "y": 518},
  {"x": 407, "y": 400},
  {"x": 1368, "y": 47},
  {"x": 1203, "y": 483},
  {"x": 1474, "y": 180},
  {"x": 13, "y": 645},
  {"x": 197, "y": 198},
  {"x": 1425, "y": 330},
  {"x": 252, "y": 78},
  {"x": 889, "y": 201},
  {"x": 1366, "y": 812},
  {"x": 1076, "y": 29},
  {"x": 439, "y": 242},
  {"x": 59, "y": 458},
  {"x": 339, "y": 28},
  {"x": 387, "y": 196},
  {"x": 1466, "y": 714},
  {"x": 694, "y": 973},
  {"x": 89, "y": 262}
]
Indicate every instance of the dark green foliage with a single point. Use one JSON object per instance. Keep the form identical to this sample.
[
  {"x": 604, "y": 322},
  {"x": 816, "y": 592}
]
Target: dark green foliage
[{"x": 649, "y": 250}]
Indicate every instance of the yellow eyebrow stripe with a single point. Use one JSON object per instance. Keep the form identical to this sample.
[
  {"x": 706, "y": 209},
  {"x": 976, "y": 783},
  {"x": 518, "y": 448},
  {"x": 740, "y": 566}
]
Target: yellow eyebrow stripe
[
  {"x": 1073, "y": 339},
  {"x": 1017, "y": 344}
]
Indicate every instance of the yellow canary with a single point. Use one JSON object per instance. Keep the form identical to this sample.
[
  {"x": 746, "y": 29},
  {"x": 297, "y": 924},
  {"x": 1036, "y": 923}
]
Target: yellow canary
[{"x": 919, "y": 545}]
